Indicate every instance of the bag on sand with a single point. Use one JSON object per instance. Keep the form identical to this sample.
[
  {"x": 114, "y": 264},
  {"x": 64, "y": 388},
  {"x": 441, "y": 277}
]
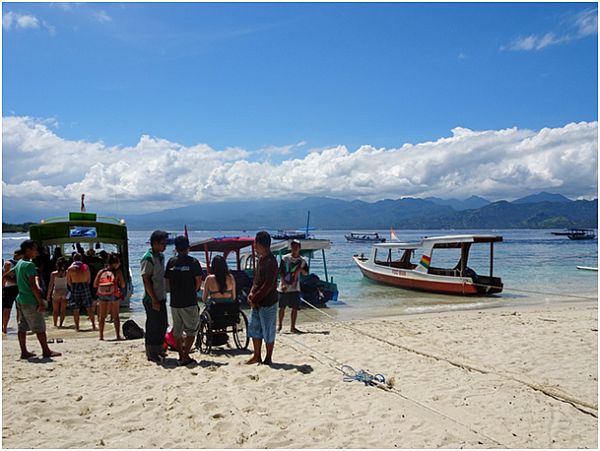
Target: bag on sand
[
  {"x": 131, "y": 331},
  {"x": 170, "y": 342}
]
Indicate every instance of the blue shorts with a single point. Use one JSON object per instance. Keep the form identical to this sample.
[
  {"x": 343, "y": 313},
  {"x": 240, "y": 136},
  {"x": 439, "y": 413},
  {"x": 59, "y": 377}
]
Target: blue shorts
[{"x": 262, "y": 323}]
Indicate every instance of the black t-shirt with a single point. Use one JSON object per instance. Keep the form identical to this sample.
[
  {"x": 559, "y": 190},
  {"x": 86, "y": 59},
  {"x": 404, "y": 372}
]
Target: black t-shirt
[{"x": 181, "y": 272}]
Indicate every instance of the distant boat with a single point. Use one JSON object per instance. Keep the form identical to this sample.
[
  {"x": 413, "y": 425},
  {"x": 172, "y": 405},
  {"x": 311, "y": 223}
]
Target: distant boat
[
  {"x": 587, "y": 268},
  {"x": 390, "y": 264},
  {"x": 359, "y": 237},
  {"x": 577, "y": 234}
]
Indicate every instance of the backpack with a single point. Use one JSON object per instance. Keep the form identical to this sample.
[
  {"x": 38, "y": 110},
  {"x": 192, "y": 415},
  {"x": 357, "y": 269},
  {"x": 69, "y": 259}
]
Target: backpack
[
  {"x": 131, "y": 331},
  {"x": 106, "y": 284}
]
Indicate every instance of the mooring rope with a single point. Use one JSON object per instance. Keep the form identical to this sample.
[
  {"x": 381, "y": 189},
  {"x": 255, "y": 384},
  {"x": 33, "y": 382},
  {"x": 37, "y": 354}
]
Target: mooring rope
[
  {"x": 548, "y": 391},
  {"x": 376, "y": 381}
]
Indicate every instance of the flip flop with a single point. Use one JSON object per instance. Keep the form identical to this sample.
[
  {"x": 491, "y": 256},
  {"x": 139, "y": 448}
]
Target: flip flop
[
  {"x": 50, "y": 341},
  {"x": 59, "y": 340}
]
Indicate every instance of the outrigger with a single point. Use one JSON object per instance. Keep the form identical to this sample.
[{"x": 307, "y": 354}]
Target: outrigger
[
  {"x": 81, "y": 229},
  {"x": 398, "y": 270}
]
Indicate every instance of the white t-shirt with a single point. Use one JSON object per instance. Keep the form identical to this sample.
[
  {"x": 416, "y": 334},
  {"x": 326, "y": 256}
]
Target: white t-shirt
[{"x": 291, "y": 273}]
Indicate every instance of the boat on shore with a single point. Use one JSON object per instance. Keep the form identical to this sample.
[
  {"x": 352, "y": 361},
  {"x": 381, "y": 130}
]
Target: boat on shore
[
  {"x": 80, "y": 230},
  {"x": 577, "y": 234},
  {"x": 364, "y": 237},
  {"x": 318, "y": 289},
  {"x": 391, "y": 264}
]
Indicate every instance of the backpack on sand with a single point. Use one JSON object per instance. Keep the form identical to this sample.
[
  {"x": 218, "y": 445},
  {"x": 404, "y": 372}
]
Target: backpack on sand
[{"x": 131, "y": 331}]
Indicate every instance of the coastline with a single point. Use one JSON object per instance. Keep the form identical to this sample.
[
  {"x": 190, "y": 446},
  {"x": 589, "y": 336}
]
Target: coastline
[{"x": 461, "y": 379}]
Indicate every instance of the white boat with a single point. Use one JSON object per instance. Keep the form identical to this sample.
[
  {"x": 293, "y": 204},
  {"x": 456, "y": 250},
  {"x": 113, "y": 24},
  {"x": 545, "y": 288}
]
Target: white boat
[{"x": 390, "y": 264}]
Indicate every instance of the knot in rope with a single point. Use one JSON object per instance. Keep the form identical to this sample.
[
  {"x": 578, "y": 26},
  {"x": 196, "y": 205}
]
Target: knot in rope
[{"x": 350, "y": 374}]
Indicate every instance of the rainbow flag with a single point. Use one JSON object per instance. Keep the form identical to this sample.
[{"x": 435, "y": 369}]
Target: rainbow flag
[{"x": 425, "y": 261}]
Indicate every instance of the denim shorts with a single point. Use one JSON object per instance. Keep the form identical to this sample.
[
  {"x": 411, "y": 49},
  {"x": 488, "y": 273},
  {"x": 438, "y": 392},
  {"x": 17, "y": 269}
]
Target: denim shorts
[{"x": 262, "y": 323}]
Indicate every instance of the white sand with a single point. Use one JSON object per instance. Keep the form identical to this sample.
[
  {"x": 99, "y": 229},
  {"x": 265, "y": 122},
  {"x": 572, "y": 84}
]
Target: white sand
[{"x": 471, "y": 379}]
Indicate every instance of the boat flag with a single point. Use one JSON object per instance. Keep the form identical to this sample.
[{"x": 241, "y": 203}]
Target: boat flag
[
  {"x": 185, "y": 232},
  {"x": 393, "y": 236}
]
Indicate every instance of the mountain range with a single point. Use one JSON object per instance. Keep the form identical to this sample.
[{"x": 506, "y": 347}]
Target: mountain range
[{"x": 542, "y": 210}]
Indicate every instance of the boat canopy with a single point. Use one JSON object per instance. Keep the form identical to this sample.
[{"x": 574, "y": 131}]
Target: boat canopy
[
  {"x": 448, "y": 241},
  {"x": 224, "y": 244},
  {"x": 284, "y": 246},
  {"x": 78, "y": 231}
]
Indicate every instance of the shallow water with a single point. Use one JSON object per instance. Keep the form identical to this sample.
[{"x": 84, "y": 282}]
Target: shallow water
[{"x": 535, "y": 266}]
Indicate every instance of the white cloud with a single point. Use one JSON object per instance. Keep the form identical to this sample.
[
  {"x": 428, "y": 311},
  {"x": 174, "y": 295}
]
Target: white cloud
[
  {"x": 41, "y": 167},
  {"x": 579, "y": 26},
  {"x": 101, "y": 16},
  {"x": 12, "y": 20}
]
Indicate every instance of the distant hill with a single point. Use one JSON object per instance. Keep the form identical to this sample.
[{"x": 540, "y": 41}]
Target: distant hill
[
  {"x": 542, "y": 197},
  {"x": 456, "y": 204},
  {"x": 543, "y": 210}
]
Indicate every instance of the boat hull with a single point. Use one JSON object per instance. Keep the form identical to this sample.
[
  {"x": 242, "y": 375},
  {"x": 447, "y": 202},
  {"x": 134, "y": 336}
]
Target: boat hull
[{"x": 410, "y": 280}]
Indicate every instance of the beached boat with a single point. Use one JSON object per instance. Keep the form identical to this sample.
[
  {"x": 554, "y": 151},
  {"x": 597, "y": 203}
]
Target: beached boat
[
  {"x": 62, "y": 236},
  {"x": 577, "y": 234},
  {"x": 390, "y": 263},
  {"x": 315, "y": 289},
  {"x": 364, "y": 237}
]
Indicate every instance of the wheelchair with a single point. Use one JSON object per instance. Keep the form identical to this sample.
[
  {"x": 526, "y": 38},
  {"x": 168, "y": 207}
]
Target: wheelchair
[{"x": 219, "y": 319}]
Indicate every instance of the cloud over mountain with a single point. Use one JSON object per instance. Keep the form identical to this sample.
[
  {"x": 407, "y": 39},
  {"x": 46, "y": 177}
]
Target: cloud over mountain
[{"x": 42, "y": 169}]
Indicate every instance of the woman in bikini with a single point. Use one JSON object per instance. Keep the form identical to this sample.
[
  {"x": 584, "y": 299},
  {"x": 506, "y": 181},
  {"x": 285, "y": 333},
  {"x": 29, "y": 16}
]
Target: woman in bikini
[
  {"x": 57, "y": 291},
  {"x": 220, "y": 285},
  {"x": 109, "y": 284}
]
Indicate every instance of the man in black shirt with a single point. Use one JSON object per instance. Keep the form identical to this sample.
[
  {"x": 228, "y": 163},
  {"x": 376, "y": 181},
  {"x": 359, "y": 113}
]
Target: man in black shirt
[{"x": 184, "y": 277}]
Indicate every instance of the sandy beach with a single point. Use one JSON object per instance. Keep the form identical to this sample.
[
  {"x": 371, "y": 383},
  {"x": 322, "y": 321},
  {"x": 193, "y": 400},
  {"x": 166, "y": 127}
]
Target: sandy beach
[{"x": 519, "y": 378}]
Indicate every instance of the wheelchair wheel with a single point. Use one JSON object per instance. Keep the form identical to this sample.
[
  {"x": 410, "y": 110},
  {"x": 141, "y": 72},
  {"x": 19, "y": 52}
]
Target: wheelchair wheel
[
  {"x": 240, "y": 332},
  {"x": 204, "y": 337}
]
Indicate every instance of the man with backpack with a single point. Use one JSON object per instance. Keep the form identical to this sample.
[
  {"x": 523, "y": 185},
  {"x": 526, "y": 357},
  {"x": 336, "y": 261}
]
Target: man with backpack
[
  {"x": 155, "y": 294},
  {"x": 184, "y": 278}
]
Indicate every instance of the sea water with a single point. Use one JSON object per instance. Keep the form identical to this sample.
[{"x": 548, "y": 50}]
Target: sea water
[{"x": 536, "y": 267}]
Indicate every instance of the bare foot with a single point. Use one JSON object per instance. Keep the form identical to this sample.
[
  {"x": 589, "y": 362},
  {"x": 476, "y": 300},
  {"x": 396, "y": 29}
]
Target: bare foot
[
  {"x": 119, "y": 338},
  {"x": 253, "y": 360},
  {"x": 296, "y": 331},
  {"x": 102, "y": 338},
  {"x": 52, "y": 354},
  {"x": 279, "y": 329},
  {"x": 27, "y": 355},
  {"x": 267, "y": 362}
]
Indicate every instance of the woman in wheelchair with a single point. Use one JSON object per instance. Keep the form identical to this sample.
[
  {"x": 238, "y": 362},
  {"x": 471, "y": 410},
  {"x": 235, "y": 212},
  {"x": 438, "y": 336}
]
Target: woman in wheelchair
[{"x": 220, "y": 285}]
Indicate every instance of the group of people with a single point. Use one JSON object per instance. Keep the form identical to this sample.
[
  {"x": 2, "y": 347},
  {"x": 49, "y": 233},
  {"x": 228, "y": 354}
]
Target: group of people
[
  {"x": 69, "y": 285},
  {"x": 182, "y": 278}
]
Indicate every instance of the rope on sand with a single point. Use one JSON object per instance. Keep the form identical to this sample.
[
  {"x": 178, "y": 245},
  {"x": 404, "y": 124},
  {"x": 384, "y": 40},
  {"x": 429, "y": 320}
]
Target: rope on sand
[
  {"x": 377, "y": 382},
  {"x": 558, "y": 395}
]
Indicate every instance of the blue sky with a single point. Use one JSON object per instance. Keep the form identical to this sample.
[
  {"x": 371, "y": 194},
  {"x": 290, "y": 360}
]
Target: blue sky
[
  {"x": 255, "y": 75},
  {"x": 283, "y": 81}
]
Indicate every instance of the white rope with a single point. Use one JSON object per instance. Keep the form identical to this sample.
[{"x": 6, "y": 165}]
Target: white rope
[
  {"x": 340, "y": 367},
  {"x": 551, "y": 392}
]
